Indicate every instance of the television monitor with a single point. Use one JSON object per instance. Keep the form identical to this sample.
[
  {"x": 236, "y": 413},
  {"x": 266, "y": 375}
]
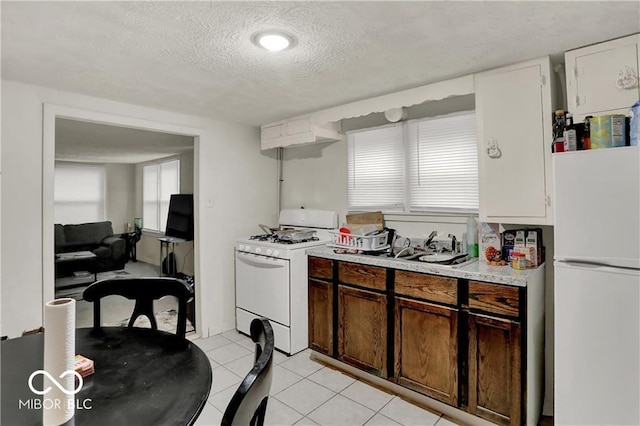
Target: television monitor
[{"x": 180, "y": 217}]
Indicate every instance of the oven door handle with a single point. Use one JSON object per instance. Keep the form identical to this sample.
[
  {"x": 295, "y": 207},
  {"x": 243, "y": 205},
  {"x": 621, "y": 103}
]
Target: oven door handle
[{"x": 260, "y": 261}]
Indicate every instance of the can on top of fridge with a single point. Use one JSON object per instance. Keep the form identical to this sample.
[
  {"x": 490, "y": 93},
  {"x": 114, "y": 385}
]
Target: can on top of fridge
[{"x": 607, "y": 131}]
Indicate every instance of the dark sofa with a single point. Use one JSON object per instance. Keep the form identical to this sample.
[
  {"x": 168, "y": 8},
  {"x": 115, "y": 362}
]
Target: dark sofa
[{"x": 97, "y": 237}]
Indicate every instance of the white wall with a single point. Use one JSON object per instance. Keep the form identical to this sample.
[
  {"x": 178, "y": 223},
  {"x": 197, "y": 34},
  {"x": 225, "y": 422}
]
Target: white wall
[
  {"x": 120, "y": 195},
  {"x": 315, "y": 176},
  {"x": 235, "y": 190},
  {"x": 186, "y": 174}
]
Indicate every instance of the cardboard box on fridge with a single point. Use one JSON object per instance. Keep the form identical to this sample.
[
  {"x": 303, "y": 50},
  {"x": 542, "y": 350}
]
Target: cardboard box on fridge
[{"x": 489, "y": 240}]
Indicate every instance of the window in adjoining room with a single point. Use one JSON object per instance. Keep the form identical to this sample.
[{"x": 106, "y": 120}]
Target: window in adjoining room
[
  {"x": 159, "y": 180},
  {"x": 79, "y": 193},
  {"x": 428, "y": 165}
]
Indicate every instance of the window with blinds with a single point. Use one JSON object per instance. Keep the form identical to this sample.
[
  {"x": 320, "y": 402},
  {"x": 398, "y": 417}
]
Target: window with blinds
[
  {"x": 376, "y": 168},
  {"x": 443, "y": 163},
  {"x": 79, "y": 193},
  {"x": 421, "y": 165},
  {"x": 159, "y": 181}
]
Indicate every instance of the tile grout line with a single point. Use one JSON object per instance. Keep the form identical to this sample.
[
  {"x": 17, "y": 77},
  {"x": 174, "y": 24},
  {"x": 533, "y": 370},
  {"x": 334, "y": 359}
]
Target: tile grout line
[
  {"x": 336, "y": 393},
  {"x": 287, "y": 405},
  {"x": 303, "y": 378},
  {"x": 321, "y": 406}
]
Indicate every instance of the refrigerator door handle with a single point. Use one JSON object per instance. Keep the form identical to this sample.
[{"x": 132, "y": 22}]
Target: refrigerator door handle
[
  {"x": 578, "y": 264},
  {"x": 595, "y": 266}
]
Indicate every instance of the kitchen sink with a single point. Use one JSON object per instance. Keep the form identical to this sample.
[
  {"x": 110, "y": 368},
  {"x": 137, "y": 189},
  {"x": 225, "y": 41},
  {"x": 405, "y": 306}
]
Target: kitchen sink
[{"x": 449, "y": 260}]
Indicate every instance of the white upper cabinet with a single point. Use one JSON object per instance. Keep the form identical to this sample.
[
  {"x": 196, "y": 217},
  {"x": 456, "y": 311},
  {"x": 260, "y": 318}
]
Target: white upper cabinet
[
  {"x": 603, "y": 78},
  {"x": 297, "y": 131},
  {"x": 513, "y": 110}
]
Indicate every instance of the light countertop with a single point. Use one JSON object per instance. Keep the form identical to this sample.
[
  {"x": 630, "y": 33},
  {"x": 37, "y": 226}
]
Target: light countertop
[{"x": 479, "y": 270}]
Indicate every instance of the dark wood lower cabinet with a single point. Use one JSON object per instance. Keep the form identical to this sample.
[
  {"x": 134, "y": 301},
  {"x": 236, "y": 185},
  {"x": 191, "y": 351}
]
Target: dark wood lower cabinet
[
  {"x": 426, "y": 349},
  {"x": 462, "y": 342},
  {"x": 362, "y": 329},
  {"x": 321, "y": 316},
  {"x": 495, "y": 387}
]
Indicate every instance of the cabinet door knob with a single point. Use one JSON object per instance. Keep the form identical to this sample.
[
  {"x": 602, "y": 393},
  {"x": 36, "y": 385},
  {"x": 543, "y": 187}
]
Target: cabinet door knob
[
  {"x": 627, "y": 78},
  {"x": 493, "y": 149}
]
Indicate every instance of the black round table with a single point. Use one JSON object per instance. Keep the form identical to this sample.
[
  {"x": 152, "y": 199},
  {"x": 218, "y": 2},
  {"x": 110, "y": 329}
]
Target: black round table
[{"x": 142, "y": 377}]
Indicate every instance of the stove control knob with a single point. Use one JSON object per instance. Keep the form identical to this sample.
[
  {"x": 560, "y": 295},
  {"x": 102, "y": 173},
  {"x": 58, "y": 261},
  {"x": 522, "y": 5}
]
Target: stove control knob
[
  {"x": 241, "y": 247},
  {"x": 258, "y": 250},
  {"x": 269, "y": 252},
  {"x": 276, "y": 253}
]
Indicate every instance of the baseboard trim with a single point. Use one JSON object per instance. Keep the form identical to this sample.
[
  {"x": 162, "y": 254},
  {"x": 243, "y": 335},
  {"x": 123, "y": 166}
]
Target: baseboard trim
[{"x": 404, "y": 393}]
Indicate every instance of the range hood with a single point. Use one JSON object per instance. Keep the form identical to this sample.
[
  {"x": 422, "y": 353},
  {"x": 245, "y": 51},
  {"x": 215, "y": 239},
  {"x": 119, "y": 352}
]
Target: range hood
[{"x": 297, "y": 131}]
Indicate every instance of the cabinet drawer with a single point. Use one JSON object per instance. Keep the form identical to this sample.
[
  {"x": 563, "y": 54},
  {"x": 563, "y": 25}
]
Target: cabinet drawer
[
  {"x": 320, "y": 268},
  {"x": 362, "y": 275},
  {"x": 427, "y": 287},
  {"x": 495, "y": 298}
]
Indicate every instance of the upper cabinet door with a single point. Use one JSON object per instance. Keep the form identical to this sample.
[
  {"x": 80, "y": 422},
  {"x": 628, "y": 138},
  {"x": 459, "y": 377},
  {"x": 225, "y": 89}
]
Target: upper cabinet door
[
  {"x": 603, "y": 79},
  {"x": 513, "y": 108}
]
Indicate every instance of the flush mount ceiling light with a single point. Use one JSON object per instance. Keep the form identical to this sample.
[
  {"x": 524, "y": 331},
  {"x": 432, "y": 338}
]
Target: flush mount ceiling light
[{"x": 273, "y": 41}]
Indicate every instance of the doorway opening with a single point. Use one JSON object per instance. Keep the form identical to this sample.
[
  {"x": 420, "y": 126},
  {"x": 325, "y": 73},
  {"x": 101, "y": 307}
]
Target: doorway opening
[{"x": 121, "y": 149}]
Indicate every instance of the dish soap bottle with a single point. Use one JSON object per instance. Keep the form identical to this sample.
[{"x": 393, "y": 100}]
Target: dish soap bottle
[{"x": 472, "y": 237}]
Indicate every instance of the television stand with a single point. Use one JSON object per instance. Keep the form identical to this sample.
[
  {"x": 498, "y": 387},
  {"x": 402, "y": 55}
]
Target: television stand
[{"x": 168, "y": 246}]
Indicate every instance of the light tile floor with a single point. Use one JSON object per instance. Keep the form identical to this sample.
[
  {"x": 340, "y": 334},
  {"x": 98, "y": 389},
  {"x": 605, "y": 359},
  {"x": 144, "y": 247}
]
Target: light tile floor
[{"x": 303, "y": 392}]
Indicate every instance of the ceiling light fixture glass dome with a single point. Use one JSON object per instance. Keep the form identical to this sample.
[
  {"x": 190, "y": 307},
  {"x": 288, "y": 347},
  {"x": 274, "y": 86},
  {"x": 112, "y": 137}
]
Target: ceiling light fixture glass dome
[{"x": 273, "y": 41}]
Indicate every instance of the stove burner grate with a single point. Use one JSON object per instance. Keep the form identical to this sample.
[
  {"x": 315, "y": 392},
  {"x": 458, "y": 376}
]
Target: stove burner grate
[{"x": 275, "y": 239}]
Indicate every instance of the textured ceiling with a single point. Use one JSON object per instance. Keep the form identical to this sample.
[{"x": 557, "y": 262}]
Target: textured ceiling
[
  {"x": 100, "y": 143},
  {"x": 197, "y": 58}
]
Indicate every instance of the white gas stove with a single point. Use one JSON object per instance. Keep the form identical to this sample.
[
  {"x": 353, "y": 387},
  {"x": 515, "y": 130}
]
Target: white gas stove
[{"x": 271, "y": 275}]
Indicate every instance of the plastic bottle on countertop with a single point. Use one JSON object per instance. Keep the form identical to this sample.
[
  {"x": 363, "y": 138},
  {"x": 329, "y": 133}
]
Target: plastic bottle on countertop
[
  {"x": 464, "y": 243},
  {"x": 472, "y": 237}
]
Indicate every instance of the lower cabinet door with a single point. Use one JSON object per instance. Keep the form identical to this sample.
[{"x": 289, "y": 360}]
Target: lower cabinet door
[
  {"x": 495, "y": 386},
  {"x": 321, "y": 316},
  {"x": 362, "y": 329},
  {"x": 426, "y": 349}
]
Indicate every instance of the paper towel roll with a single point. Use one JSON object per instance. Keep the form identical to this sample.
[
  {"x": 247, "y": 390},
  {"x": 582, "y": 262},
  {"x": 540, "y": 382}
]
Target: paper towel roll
[{"x": 59, "y": 352}]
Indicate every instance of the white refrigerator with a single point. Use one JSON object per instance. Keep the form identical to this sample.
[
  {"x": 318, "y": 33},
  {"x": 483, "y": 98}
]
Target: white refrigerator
[{"x": 597, "y": 287}]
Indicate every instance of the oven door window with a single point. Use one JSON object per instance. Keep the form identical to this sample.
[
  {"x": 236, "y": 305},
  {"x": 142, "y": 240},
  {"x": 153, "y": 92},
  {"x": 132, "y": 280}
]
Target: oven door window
[{"x": 262, "y": 286}]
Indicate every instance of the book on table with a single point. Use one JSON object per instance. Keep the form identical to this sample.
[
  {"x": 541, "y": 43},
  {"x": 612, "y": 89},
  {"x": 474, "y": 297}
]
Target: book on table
[{"x": 83, "y": 365}]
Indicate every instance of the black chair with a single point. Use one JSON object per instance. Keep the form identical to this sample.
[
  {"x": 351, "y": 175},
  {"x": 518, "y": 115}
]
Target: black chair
[
  {"x": 248, "y": 405},
  {"x": 144, "y": 291}
]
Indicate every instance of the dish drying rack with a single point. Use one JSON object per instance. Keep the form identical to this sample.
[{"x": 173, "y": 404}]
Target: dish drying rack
[{"x": 359, "y": 242}]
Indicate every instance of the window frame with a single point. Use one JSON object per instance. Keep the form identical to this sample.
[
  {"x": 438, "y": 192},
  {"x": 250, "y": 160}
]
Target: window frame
[{"x": 406, "y": 209}]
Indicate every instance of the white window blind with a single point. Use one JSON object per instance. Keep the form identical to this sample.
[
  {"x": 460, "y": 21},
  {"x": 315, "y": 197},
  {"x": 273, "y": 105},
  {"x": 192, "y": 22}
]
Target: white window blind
[
  {"x": 79, "y": 193},
  {"x": 443, "y": 163},
  {"x": 159, "y": 181},
  {"x": 376, "y": 168},
  {"x": 150, "y": 197}
]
